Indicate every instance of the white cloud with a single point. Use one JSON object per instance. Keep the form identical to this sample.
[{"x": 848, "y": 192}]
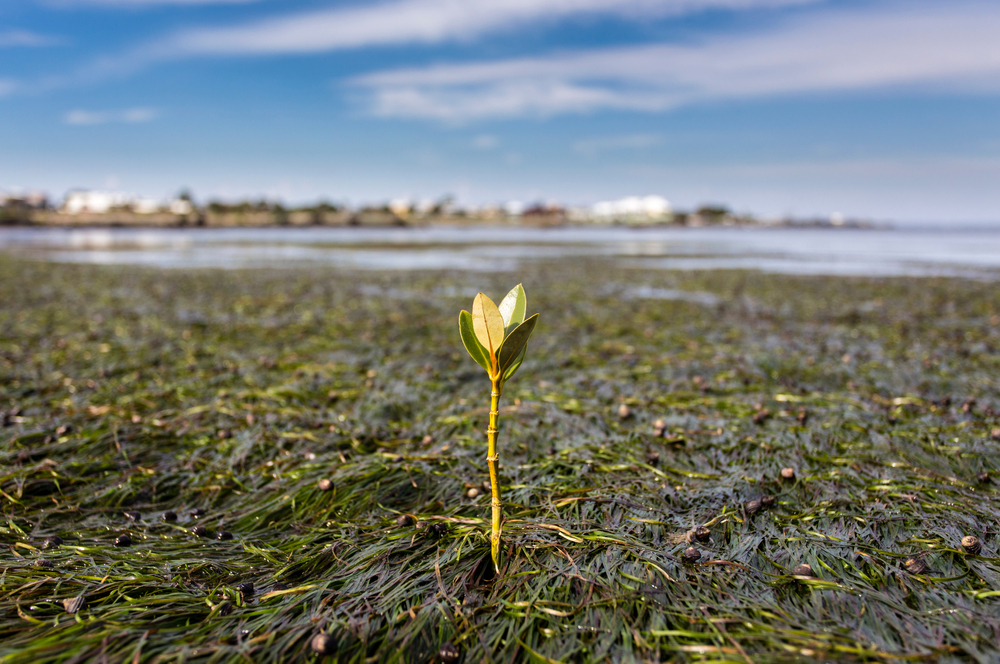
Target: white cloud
[
  {"x": 498, "y": 98},
  {"x": 913, "y": 46},
  {"x": 128, "y": 116},
  {"x": 385, "y": 23},
  {"x": 419, "y": 21},
  {"x": 25, "y": 38},
  {"x": 594, "y": 146},
  {"x": 7, "y": 86}
]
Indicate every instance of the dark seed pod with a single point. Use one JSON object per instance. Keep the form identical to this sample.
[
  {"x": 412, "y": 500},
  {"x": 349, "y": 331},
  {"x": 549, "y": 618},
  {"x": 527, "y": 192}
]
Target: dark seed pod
[
  {"x": 405, "y": 520},
  {"x": 802, "y": 570},
  {"x": 44, "y": 564},
  {"x": 448, "y": 654},
  {"x": 752, "y": 507},
  {"x": 169, "y": 516},
  {"x": 323, "y": 644},
  {"x": 324, "y": 485},
  {"x": 279, "y": 586},
  {"x": 197, "y": 512},
  {"x": 133, "y": 515},
  {"x": 653, "y": 458},
  {"x": 802, "y": 416},
  {"x": 761, "y": 416},
  {"x": 199, "y": 531},
  {"x": 123, "y": 540},
  {"x": 700, "y": 534},
  {"x": 74, "y": 604},
  {"x": 691, "y": 555},
  {"x": 225, "y": 609},
  {"x": 983, "y": 477},
  {"x": 767, "y": 502},
  {"x": 223, "y": 535},
  {"x": 438, "y": 530},
  {"x": 52, "y": 542},
  {"x": 972, "y": 545},
  {"x": 916, "y": 566},
  {"x": 246, "y": 589},
  {"x": 788, "y": 473}
]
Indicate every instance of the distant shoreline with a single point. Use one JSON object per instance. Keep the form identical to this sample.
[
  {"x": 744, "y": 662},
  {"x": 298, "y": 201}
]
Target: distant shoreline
[{"x": 160, "y": 221}]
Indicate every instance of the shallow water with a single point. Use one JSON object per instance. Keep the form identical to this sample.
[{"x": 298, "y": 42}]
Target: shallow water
[{"x": 845, "y": 252}]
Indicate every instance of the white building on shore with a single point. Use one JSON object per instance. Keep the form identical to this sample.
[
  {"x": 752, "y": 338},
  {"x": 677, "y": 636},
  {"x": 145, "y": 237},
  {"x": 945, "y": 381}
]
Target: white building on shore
[
  {"x": 99, "y": 202},
  {"x": 82, "y": 201},
  {"x": 628, "y": 210}
]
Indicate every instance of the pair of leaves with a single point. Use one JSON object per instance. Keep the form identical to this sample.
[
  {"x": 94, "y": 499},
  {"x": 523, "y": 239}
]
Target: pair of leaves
[{"x": 497, "y": 337}]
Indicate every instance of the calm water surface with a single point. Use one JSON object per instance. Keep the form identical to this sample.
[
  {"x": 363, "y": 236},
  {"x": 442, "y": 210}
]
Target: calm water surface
[{"x": 914, "y": 252}]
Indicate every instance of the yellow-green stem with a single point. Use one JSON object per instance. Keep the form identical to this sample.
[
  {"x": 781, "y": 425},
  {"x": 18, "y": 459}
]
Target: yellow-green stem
[{"x": 491, "y": 434}]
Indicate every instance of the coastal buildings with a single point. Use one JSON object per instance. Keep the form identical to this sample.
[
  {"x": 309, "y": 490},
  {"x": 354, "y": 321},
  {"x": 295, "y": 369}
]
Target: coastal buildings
[
  {"x": 95, "y": 208},
  {"x": 97, "y": 202},
  {"x": 629, "y": 210},
  {"x": 81, "y": 201}
]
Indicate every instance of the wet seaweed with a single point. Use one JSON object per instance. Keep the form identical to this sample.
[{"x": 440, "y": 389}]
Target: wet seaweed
[{"x": 224, "y": 398}]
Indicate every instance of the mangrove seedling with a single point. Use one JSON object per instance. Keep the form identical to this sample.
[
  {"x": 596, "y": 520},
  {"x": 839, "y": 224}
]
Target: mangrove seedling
[{"x": 497, "y": 339}]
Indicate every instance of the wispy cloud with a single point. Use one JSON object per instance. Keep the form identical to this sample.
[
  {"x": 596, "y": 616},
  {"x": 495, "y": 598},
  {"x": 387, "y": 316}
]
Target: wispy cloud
[
  {"x": 947, "y": 46},
  {"x": 7, "y": 86},
  {"x": 26, "y": 38},
  {"x": 357, "y": 26},
  {"x": 420, "y": 21},
  {"x": 127, "y": 116},
  {"x": 594, "y": 146}
]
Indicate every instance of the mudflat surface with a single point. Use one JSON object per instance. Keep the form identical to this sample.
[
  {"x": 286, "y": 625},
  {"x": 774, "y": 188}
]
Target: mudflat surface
[{"x": 225, "y": 396}]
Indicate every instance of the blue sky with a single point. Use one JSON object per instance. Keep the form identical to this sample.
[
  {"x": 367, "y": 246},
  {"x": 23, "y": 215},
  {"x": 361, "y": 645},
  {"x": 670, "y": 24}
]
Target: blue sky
[{"x": 881, "y": 109}]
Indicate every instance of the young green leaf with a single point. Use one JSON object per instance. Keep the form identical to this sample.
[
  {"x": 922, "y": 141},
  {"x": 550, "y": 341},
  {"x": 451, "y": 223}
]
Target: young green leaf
[
  {"x": 476, "y": 350},
  {"x": 488, "y": 325},
  {"x": 514, "y": 343},
  {"x": 512, "y": 369},
  {"x": 512, "y": 308}
]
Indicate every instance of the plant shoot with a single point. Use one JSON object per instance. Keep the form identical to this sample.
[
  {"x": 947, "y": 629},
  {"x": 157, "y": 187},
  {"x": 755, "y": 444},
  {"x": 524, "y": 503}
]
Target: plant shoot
[{"x": 497, "y": 339}]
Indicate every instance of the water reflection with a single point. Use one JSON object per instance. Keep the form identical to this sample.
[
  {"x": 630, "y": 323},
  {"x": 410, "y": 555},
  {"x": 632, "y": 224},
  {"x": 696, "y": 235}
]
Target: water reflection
[{"x": 968, "y": 253}]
